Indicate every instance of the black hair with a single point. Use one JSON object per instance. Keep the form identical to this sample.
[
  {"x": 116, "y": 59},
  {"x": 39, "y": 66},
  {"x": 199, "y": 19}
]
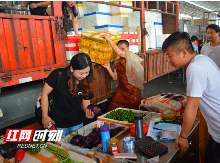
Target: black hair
[
  {"x": 194, "y": 38},
  {"x": 123, "y": 42},
  {"x": 178, "y": 41},
  {"x": 214, "y": 27},
  {"x": 78, "y": 62}
]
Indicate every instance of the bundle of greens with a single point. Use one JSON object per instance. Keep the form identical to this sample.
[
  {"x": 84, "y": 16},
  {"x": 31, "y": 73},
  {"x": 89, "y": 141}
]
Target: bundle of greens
[
  {"x": 62, "y": 155},
  {"x": 122, "y": 115}
]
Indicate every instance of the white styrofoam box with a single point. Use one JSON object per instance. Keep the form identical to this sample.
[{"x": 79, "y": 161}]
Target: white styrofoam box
[
  {"x": 80, "y": 10},
  {"x": 81, "y": 22},
  {"x": 154, "y": 16},
  {"x": 86, "y": 130},
  {"x": 109, "y": 27},
  {"x": 116, "y": 9},
  {"x": 126, "y": 3},
  {"x": 134, "y": 48},
  {"x": 146, "y": 42},
  {"x": 119, "y": 19},
  {"x": 151, "y": 39},
  {"x": 70, "y": 54},
  {"x": 160, "y": 39},
  {"x": 134, "y": 19},
  {"x": 152, "y": 42},
  {"x": 126, "y": 28},
  {"x": 148, "y": 17},
  {"x": 95, "y": 7},
  {"x": 97, "y": 19},
  {"x": 72, "y": 32},
  {"x": 87, "y": 29},
  {"x": 158, "y": 17},
  {"x": 79, "y": 29},
  {"x": 158, "y": 28}
]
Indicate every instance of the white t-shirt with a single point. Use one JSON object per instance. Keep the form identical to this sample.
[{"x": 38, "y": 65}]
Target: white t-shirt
[
  {"x": 212, "y": 52},
  {"x": 203, "y": 80}
]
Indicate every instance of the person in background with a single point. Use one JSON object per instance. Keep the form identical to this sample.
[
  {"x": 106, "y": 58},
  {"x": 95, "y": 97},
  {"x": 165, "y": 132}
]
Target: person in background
[
  {"x": 200, "y": 43},
  {"x": 130, "y": 74},
  {"x": 212, "y": 49},
  {"x": 193, "y": 41},
  {"x": 36, "y": 7},
  {"x": 203, "y": 91},
  {"x": 69, "y": 8},
  {"x": 75, "y": 87}
]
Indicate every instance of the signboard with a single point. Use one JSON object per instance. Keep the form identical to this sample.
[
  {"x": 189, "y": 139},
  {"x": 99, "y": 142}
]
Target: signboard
[{"x": 196, "y": 22}]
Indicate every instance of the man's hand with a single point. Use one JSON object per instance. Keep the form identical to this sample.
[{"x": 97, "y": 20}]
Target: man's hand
[
  {"x": 184, "y": 145},
  {"x": 33, "y": 5},
  {"x": 107, "y": 37},
  {"x": 107, "y": 65}
]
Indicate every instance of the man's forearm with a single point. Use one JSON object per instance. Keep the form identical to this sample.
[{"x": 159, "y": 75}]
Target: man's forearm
[
  {"x": 43, "y": 4},
  {"x": 116, "y": 49},
  {"x": 112, "y": 74},
  {"x": 189, "y": 116}
]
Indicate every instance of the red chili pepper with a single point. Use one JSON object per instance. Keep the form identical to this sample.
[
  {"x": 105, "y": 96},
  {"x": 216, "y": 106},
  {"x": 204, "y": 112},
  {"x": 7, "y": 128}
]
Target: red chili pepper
[{"x": 19, "y": 155}]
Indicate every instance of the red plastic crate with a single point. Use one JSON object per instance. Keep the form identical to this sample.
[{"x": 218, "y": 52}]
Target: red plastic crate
[
  {"x": 131, "y": 37},
  {"x": 72, "y": 43}
]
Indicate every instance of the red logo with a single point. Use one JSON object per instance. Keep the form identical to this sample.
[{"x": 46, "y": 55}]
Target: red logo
[{"x": 19, "y": 135}]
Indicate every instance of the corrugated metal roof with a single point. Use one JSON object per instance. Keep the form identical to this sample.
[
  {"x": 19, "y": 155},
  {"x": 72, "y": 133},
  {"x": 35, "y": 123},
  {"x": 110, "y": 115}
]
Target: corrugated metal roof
[{"x": 196, "y": 9}]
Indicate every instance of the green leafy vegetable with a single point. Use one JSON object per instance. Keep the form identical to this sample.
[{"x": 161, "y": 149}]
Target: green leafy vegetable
[{"x": 122, "y": 115}]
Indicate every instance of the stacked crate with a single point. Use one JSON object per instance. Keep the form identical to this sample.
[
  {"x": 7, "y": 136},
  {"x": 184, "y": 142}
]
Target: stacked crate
[
  {"x": 99, "y": 50},
  {"x": 72, "y": 46}
]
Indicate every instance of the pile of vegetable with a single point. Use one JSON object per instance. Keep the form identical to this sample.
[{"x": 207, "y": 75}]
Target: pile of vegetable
[
  {"x": 89, "y": 141},
  {"x": 172, "y": 96},
  {"x": 93, "y": 139},
  {"x": 122, "y": 115},
  {"x": 62, "y": 155},
  {"x": 35, "y": 149}
]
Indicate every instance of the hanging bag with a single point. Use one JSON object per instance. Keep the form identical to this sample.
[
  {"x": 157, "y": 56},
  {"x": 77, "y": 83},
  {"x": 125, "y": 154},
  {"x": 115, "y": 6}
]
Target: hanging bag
[{"x": 38, "y": 111}]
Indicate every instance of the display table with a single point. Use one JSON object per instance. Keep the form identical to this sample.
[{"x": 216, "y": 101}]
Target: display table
[{"x": 192, "y": 155}]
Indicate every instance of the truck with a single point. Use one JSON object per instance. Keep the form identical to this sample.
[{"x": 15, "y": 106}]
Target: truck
[{"x": 32, "y": 46}]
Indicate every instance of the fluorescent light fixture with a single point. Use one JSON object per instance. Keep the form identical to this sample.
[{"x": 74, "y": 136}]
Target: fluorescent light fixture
[{"x": 199, "y": 6}]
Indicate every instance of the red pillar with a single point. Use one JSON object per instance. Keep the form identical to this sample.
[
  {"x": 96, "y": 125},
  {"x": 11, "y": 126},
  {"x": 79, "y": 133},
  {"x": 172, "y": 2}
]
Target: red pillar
[
  {"x": 177, "y": 17},
  {"x": 143, "y": 47}
]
